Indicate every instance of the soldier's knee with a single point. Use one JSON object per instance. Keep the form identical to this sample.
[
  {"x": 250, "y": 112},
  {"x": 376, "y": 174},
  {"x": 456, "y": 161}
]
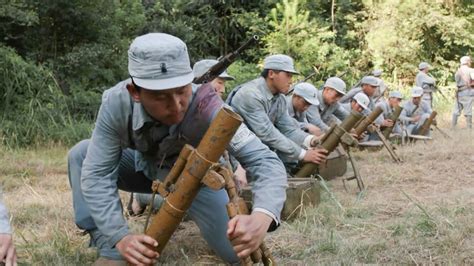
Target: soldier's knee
[{"x": 77, "y": 153}]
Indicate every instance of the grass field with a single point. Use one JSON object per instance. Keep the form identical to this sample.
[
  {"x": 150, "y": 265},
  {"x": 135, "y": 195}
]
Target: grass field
[{"x": 419, "y": 212}]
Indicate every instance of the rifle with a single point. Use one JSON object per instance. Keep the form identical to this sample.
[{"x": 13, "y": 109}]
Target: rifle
[
  {"x": 224, "y": 63},
  {"x": 330, "y": 141}
]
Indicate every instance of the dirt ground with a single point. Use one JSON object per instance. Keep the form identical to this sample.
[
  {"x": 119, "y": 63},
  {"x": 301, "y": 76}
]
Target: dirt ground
[{"x": 417, "y": 212}]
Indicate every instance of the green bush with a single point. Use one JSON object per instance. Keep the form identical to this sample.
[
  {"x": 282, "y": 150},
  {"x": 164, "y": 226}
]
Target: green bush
[{"x": 34, "y": 110}]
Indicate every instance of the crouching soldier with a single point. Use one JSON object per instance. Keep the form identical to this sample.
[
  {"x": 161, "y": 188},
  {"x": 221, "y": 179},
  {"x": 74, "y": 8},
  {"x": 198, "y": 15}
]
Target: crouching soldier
[
  {"x": 262, "y": 104},
  {"x": 388, "y": 107},
  {"x": 142, "y": 125},
  {"x": 415, "y": 112},
  {"x": 304, "y": 96},
  {"x": 328, "y": 110}
]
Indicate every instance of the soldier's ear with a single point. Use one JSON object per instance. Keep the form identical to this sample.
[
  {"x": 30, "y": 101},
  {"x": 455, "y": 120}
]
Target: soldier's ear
[{"x": 134, "y": 93}]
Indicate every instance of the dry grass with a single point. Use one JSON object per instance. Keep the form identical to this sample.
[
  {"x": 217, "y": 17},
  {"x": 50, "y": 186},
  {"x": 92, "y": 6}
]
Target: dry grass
[{"x": 419, "y": 212}]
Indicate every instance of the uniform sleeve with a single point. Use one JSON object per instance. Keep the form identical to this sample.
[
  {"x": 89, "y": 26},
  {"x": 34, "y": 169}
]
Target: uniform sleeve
[
  {"x": 313, "y": 116},
  {"x": 404, "y": 115},
  {"x": 100, "y": 174},
  {"x": 263, "y": 168},
  {"x": 286, "y": 125},
  {"x": 252, "y": 110},
  {"x": 340, "y": 112}
]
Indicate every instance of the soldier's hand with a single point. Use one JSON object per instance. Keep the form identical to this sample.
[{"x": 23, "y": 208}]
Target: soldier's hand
[
  {"x": 246, "y": 232},
  {"x": 315, "y": 141},
  {"x": 416, "y": 118},
  {"x": 315, "y": 155},
  {"x": 135, "y": 250},
  {"x": 313, "y": 130},
  {"x": 387, "y": 123},
  {"x": 7, "y": 250},
  {"x": 240, "y": 177}
]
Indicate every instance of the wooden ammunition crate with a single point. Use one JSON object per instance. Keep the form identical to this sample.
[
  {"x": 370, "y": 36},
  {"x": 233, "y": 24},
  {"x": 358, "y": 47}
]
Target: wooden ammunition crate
[{"x": 301, "y": 193}]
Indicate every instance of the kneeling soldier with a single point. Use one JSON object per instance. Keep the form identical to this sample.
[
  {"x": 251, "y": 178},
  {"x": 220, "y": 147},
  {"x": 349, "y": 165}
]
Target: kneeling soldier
[
  {"x": 415, "y": 112},
  {"x": 142, "y": 125},
  {"x": 261, "y": 102}
]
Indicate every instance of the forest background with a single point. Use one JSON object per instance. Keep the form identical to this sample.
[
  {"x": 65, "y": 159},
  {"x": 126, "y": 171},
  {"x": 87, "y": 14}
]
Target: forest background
[{"x": 58, "y": 56}]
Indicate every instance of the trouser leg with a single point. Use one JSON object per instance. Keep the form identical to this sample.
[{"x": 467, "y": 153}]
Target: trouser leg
[
  {"x": 469, "y": 121},
  {"x": 128, "y": 180},
  {"x": 209, "y": 212}
]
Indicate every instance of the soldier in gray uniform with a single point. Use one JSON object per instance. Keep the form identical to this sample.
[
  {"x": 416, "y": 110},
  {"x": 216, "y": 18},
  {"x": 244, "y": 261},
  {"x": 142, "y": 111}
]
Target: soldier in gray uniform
[
  {"x": 201, "y": 67},
  {"x": 304, "y": 95},
  {"x": 328, "y": 109},
  {"x": 394, "y": 100},
  {"x": 465, "y": 92},
  {"x": 261, "y": 102},
  {"x": 426, "y": 82},
  {"x": 415, "y": 112},
  {"x": 379, "y": 93},
  {"x": 139, "y": 201},
  {"x": 142, "y": 125},
  {"x": 369, "y": 85},
  {"x": 7, "y": 249}
]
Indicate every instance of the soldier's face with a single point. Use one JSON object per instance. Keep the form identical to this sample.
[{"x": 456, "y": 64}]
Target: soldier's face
[
  {"x": 416, "y": 100},
  {"x": 369, "y": 90},
  {"x": 300, "y": 104},
  {"x": 394, "y": 102},
  {"x": 281, "y": 80},
  {"x": 219, "y": 85},
  {"x": 331, "y": 96},
  {"x": 356, "y": 107},
  {"x": 166, "y": 106}
]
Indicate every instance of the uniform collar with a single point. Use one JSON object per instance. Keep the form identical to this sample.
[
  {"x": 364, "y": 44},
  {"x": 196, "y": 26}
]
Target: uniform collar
[
  {"x": 265, "y": 89},
  {"x": 322, "y": 104}
]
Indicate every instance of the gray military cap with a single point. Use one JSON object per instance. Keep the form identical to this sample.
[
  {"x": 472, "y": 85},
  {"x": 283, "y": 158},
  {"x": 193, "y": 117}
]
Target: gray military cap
[
  {"x": 336, "y": 83},
  {"x": 416, "y": 91},
  {"x": 465, "y": 60},
  {"x": 370, "y": 80},
  {"x": 280, "y": 62},
  {"x": 203, "y": 66},
  {"x": 377, "y": 73},
  {"x": 362, "y": 100},
  {"x": 307, "y": 91},
  {"x": 395, "y": 94},
  {"x": 159, "y": 61},
  {"x": 423, "y": 65}
]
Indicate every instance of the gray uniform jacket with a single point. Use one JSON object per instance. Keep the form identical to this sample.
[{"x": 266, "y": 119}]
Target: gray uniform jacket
[
  {"x": 320, "y": 115},
  {"x": 267, "y": 116},
  {"x": 463, "y": 80},
  {"x": 4, "y": 222},
  {"x": 410, "y": 110},
  {"x": 425, "y": 81},
  {"x": 122, "y": 123},
  {"x": 300, "y": 118}
]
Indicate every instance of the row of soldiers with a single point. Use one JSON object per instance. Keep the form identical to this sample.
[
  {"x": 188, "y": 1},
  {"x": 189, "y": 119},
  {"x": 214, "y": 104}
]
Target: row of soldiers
[{"x": 145, "y": 121}]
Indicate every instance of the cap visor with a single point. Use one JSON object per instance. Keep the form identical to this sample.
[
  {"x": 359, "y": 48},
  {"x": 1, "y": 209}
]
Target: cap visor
[
  {"x": 312, "y": 101},
  {"x": 292, "y": 71},
  {"x": 226, "y": 77},
  {"x": 164, "y": 84}
]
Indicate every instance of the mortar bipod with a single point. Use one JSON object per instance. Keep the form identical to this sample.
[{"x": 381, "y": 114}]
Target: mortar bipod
[
  {"x": 347, "y": 142},
  {"x": 387, "y": 145}
]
